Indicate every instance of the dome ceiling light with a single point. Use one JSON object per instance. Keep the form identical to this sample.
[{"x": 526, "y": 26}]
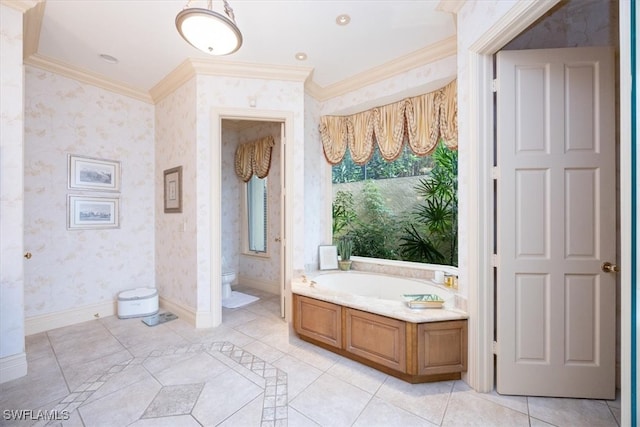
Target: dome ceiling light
[{"x": 209, "y": 31}]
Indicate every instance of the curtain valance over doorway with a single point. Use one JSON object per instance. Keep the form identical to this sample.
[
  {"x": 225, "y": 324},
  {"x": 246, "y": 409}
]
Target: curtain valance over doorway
[
  {"x": 254, "y": 158},
  {"x": 424, "y": 120}
]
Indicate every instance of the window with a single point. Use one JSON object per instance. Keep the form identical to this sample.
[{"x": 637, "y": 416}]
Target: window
[
  {"x": 405, "y": 210},
  {"x": 257, "y": 214}
]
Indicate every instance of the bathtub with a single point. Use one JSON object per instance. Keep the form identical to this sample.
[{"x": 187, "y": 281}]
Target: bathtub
[
  {"x": 378, "y": 293},
  {"x": 364, "y": 316},
  {"x": 378, "y": 286}
]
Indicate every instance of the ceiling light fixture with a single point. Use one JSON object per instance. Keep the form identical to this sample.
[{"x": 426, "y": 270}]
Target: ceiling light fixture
[
  {"x": 343, "y": 19},
  {"x": 301, "y": 56},
  {"x": 209, "y": 31}
]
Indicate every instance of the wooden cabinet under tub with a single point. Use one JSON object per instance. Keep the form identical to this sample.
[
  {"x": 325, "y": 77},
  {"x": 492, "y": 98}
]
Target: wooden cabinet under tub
[{"x": 414, "y": 352}]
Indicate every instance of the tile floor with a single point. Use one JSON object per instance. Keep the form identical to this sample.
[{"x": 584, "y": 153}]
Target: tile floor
[{"x": 251, "y": 371}]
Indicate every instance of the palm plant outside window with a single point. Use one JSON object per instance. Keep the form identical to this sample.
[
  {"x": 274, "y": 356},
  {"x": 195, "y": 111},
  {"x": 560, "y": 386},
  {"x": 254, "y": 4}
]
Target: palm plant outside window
[{"x": 406, "y": 209}]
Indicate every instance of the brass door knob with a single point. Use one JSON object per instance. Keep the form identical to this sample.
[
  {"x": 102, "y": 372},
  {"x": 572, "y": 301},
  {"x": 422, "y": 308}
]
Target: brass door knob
[
  {"x": 607, "y": 267},
  {"x": 27, "y": 255}
]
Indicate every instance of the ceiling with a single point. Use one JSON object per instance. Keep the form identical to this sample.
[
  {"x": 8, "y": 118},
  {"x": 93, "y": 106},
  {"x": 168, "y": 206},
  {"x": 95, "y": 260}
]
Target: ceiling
[{"x": 142, "y": 35}]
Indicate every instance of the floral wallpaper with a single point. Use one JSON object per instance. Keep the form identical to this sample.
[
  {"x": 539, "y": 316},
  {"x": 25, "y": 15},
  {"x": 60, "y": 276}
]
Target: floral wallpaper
[
  {"x": 74, "y": 268},
  {"x": 392, "y": 89},
  {"x": 11, "y": 196},
  {"x": 257, "y": 268},
  {"x": 175, "y": 233},
  {"x": 231, "y": 199},
  {"x": 317, "y": 178},
  {"x": 576, "y": 23},
  {"x": 229, "y": 92}
]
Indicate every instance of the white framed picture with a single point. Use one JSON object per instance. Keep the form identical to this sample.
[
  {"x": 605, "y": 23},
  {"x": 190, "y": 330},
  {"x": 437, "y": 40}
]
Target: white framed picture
[
  {"x": 92, "y": 212},
  {"x": 328, "y": 255},
  {"x": 86, "y": 173}
]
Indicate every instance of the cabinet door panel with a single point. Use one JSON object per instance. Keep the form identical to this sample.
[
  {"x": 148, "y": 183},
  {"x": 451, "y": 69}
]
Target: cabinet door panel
[
  {"x": 376, "y": 338},
  {"x": 318, "y": 320},
  {"x": 442, "y": 347}
]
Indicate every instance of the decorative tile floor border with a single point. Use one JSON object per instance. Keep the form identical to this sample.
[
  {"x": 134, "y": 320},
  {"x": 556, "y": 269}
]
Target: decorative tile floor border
[{"x": 274, "y": 406}]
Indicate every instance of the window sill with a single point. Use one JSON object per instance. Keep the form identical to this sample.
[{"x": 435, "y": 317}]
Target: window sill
[
  {"x": 449, "y": 269},
  {"x": 264, "y": 255}
]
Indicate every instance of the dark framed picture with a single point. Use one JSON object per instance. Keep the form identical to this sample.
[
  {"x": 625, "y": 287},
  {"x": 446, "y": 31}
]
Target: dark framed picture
[
  {"x": 86, "y": 173},
  {"x": 173, "y": 190},
  {"x": 92, "y": 212}
]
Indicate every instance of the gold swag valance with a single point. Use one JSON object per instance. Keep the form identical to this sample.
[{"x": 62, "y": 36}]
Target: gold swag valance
[
  {"x": 424, "y": 119},
  {"x": 254, "y": 158}
]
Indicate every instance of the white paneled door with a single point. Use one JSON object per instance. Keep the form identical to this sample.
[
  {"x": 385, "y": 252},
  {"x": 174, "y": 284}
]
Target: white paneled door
[{"x": 556, "y": 223}]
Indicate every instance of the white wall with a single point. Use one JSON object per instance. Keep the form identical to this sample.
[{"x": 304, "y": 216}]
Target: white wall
[
  {"x": 214, "y": 92},
  {"x": 253, "y": 269},
  {"x": 231, "y": 200},
  {"x": 575, "y": 23},
  {"x": 175, "y": 247},
  {"x": 12, "y": 360},
  {"x": 76, "y": 268},
  {"x": 317, "y": 179}
]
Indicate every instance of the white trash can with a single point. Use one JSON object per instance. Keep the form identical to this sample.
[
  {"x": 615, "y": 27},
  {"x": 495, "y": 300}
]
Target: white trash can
[{"x": 139, "y": 302}]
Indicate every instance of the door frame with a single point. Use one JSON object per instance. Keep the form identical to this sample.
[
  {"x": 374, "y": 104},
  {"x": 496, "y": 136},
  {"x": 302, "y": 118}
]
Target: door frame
[
  {"x": 480, "y": 198},
  {"x": 217, "y": 115}
]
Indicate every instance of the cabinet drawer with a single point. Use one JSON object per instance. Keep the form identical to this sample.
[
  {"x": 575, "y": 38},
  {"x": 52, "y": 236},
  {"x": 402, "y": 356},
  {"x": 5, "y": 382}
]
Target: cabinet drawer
[{"x": 376, "y": 338}]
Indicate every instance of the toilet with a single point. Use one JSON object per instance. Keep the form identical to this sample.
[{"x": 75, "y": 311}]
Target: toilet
[
  {"x": 228, "y": 276},
  {"x": 233, "y": 299}
]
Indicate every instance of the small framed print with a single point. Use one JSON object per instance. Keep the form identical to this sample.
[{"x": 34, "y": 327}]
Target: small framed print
[
  {"x": 173, "y": 190},
  {"x": 86, "y": 173},
  {"x": 92, "y": 212},
  {"x": 328, "y": 255}
]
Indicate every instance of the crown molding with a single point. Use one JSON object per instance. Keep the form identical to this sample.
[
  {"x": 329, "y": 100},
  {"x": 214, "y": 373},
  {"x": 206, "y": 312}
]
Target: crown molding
[
  {"x": 20, "y": 5},
  {"x": 172, "y": 81},
  {"x": 519, "y": 17},
  {"x": 66, "y": 70},
  {"x": 32, "y": 20},
  {"x": 450, "y": 6},
  {"x": 192, "y": 66},
  {"x": 426, "y": 55},
  {"x": 250, "y": 70}
]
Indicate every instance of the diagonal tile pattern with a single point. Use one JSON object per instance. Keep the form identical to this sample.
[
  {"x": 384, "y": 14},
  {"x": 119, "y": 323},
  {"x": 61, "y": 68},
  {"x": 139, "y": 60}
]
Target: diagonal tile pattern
[
  {"x": 174, "y": 400},
  {"x": 250, "y": 371}
]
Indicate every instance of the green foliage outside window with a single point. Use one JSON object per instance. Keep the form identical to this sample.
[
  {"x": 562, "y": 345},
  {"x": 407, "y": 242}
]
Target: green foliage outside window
[
  {"x": 426, "y": 232},
  {"x": 433, "y": 237}
]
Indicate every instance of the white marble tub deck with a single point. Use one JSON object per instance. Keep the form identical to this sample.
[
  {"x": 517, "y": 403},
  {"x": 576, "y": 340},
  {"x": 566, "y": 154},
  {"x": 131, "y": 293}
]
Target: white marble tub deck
[{"x": 385, "y": 307}]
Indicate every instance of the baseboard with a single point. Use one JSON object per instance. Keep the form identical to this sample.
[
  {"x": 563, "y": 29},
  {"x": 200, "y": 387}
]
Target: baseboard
[
  {"x": 13, "y": 367},
  {"x": 263, "y": 285},
  {"x": 46, "y": 322},
  {"x": 182, "y": 311}
]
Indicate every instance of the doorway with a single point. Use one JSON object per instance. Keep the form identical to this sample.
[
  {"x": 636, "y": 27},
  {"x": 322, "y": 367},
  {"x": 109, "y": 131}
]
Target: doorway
[
  {"x": 284, "y": 120},
  {"x": 251, "y": 239},
  {"x": 480, "y": 155},
  {"x": 584, "y": 282}
]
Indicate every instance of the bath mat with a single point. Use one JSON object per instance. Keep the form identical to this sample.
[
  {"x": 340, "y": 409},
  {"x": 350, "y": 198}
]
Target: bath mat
[
  {"x": 238, "y": 299},
  {"x": 159, "y": 318}
]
